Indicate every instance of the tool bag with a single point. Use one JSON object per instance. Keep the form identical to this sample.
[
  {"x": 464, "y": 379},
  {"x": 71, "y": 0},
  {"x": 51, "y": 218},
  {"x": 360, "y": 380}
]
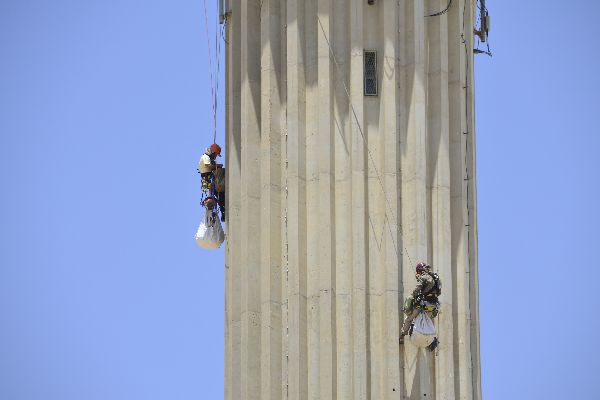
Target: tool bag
[
  {"x": 210, "y": 233},
  {"x": 423, "y": 331}
]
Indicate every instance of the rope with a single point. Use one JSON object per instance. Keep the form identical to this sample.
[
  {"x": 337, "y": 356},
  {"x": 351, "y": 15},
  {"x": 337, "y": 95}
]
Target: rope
[
  {"x": 467, "y": 177},
  {"x": 217, "y": 79},
  {"x": 444, "y": 11},
  {"x": 337, "y": 66},
  {"x": 213, "y": 93}
]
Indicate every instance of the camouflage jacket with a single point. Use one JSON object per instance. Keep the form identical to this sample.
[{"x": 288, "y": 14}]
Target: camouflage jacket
[{"x": 425, "y": 284}]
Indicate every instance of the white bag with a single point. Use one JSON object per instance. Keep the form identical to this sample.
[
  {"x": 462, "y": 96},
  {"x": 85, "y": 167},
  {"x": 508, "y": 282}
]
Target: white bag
[
  {"x": 423, "y": 331},
  {"x": 210, "y": 233}
]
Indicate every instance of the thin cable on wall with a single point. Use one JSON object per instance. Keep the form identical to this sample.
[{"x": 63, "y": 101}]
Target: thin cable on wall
[
  {"x": 379, "y": 179},
  {"x": 467, "y": 177},
  {"x": 444, "y": 11}
]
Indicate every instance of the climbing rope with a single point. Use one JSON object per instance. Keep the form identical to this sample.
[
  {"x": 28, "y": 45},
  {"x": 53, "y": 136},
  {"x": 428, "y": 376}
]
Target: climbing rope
[
  {"x": 214, "y": 70},
  {"x": 216, "y": 92}
]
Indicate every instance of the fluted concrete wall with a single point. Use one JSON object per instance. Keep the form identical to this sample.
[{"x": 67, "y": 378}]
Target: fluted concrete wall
[{"x": 334, "y": 196}]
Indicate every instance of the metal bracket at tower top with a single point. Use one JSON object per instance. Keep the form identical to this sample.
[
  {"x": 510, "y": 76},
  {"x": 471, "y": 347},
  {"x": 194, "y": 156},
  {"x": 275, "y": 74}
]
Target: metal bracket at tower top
[
  {"x": 224, "y": 11},
  {"x": 484, "y": 16}
]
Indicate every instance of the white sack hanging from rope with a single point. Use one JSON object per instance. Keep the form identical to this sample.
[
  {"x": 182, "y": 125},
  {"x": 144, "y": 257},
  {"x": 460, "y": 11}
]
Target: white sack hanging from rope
[
  {"x": 423, "y": 331},
  {"x": 210, "y": 233}
]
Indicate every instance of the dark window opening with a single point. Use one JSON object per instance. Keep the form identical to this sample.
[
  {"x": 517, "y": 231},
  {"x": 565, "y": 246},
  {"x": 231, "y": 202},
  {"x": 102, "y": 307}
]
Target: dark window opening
[{"x": 370, "y": 71}]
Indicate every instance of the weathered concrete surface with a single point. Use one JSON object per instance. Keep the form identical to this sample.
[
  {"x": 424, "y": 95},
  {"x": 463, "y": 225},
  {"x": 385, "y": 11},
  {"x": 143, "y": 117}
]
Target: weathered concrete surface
[{"x": 334, "y": 196}]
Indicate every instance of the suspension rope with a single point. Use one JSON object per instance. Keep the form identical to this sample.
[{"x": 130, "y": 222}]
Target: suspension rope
[
  {"x": 213, "y": 92},
  {"x": 217, "y": 79},
  {"x": 337, "y": 66},
  {"x": 444, "y": 11}
]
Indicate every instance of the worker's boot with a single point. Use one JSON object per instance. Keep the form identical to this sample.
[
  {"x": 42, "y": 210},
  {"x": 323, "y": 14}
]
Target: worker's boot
[
  {"x": 433, "y": 344},
  {"x": 403, "y": 335}
]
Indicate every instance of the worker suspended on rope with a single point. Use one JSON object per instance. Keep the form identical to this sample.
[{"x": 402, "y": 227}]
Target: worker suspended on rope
[
  {"x": 213, "y": 179},
  {"x": 424, "y": 299}
]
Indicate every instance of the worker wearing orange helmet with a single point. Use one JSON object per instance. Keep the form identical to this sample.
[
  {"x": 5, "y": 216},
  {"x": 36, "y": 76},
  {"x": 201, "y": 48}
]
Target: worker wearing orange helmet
[
  {"x": 207, "y": 162},
  {"x": 208, "y": 169}
]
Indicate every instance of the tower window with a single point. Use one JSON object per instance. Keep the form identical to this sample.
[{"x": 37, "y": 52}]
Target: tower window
[{"x": 370, "y": 71}]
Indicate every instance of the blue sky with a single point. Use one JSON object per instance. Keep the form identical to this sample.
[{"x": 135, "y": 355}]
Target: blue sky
[
  {"x": 538, "y": 102},
  {"x": 104, "y": 111}
]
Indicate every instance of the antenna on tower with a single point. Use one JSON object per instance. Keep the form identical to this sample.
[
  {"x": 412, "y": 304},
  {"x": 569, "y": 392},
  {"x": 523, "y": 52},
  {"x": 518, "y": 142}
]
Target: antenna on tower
[
  {"x": 223, "y": 11},
  {"x": 484, "y": 27}
]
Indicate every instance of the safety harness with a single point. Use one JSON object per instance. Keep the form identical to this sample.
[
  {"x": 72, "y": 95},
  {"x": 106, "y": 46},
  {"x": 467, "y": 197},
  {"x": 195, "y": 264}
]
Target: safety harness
[
  {"x": 436, "y": 290},
  {"x": 428, "y": 301}
]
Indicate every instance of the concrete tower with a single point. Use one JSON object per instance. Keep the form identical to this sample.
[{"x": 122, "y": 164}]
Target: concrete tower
[{"x": 350, "y": 157}]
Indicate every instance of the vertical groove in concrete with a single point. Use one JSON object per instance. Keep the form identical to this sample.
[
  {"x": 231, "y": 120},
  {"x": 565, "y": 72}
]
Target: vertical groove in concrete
[
  {"x": 390, "y": 163},
  {"x": 376, "y": 210},
  {"x": 401, "y": 129},
  {"x": 270, "y": 202},
  {"x": 460, "y": 261},
  {"x": 312, "y": 198},
  {"x": 413, "y": 165},
  {"x": 323, "y": 155},
  {"x": 296, "y": 115},
  {"x": 251, "y": 193},
  {"x": 334, "y": 196},
  {"x": 284, "y": 390},
  {"x": 342, "y": 201},
  {"x": 439, "y": 181},
  {"x": 233, "y": 148},
  {"x": 358, "y": 206},
  {"x": 472, "y": 187},
  {"x": 285, "y": 284},
  {"x": 455, "y": 107},
  {"x": 465, "y": 312}
]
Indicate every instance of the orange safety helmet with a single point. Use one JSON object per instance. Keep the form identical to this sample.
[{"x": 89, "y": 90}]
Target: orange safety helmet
[{"x": 215, "y": 148}]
